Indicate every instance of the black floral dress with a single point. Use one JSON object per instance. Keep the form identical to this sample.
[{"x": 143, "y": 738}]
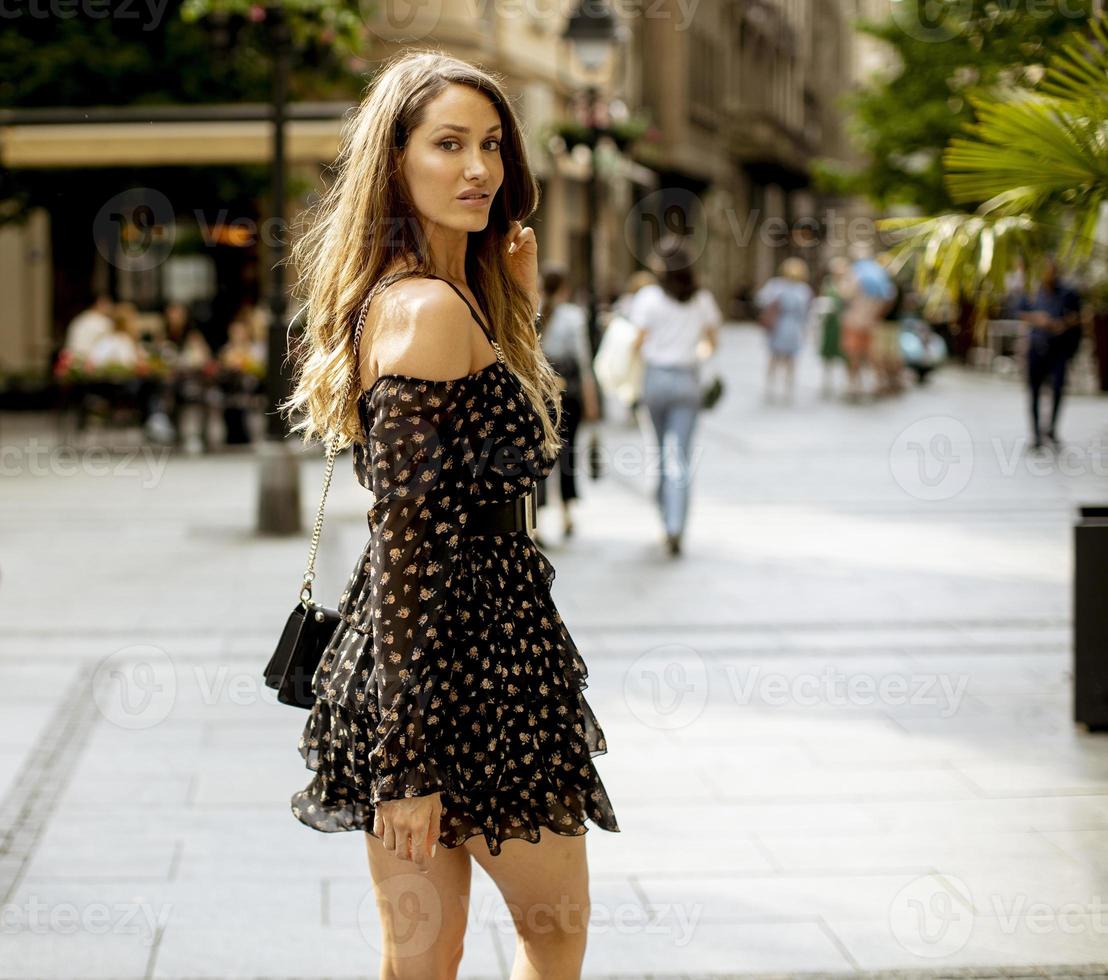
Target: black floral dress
[{"x": 452, "y": 670}]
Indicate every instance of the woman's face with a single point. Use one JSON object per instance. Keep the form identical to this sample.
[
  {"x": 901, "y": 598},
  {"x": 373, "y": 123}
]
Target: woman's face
[{"x": 440, "y": 161}]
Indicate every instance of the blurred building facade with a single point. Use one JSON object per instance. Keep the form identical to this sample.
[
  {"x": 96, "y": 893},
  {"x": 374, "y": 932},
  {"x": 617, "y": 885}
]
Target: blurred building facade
[{"x": 741, "y": 94}]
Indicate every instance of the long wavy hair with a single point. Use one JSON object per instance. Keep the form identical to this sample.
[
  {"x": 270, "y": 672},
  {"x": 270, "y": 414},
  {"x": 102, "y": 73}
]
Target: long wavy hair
[{"x": 365, "y": 221}]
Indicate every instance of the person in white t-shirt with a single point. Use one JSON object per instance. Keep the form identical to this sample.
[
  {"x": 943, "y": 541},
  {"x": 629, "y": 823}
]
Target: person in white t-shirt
[
  {"x": 89, "y": 326},
  {"x": 675, "y": 317}
]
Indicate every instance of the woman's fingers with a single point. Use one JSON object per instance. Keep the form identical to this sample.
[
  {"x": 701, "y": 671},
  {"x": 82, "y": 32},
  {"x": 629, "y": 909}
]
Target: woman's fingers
[{"x": 411, "y": 828}]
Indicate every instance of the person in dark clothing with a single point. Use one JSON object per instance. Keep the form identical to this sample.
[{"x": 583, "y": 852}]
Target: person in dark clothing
[
  {"x": 563, "y": 335},
  {"x": 1054, "y": 313}
]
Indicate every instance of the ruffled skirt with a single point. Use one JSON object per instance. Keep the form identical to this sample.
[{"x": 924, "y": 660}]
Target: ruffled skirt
[{"x": 514, "y": 737}]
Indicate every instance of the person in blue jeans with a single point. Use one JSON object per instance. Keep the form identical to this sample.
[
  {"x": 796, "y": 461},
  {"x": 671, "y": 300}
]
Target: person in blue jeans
[
  {"x": 673, "y": 316},
  {"x": 1054, "y": 313}
]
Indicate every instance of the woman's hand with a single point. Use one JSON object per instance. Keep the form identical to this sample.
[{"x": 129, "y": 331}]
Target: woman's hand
[
  {"x": 522, "y": 258},
  {"x": 410, "y": 828}
]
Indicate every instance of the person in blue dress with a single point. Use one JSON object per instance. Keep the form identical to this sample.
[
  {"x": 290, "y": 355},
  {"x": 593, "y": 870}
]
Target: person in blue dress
[{"x": 785, "y": 301}]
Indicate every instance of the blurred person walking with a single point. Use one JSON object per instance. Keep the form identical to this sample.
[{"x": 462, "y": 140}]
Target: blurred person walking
[
  {"x": 1054, "y": 313},
  {"x": 788, "y": 298},
  {"x": 838, "y": 287},
  {"x": 866, "y": 308},
  {"x": 888, "y": 362},
  {"x": 674, "y": 316},
  {"x": 564, "y": 338}
]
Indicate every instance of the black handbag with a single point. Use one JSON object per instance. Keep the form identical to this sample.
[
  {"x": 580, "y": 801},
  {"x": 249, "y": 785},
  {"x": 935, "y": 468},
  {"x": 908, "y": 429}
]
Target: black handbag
[
  {"x": 712, "y": 392},
  {"x": 310, "y": 627}
]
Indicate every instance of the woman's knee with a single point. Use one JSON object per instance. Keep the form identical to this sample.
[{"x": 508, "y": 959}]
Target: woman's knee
[
  {"x": 439, "y": 962},
  {"x": 562, "y": 924}
]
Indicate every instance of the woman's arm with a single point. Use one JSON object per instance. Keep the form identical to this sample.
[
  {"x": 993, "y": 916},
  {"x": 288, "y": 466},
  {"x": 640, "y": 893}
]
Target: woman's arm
[{"x": 410, "y": 560}]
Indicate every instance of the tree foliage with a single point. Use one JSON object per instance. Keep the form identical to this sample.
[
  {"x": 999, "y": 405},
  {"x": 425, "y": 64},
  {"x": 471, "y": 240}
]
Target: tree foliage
[
  {"x": 945, "y": 54},
  {"x": 1035, "y": 164}
]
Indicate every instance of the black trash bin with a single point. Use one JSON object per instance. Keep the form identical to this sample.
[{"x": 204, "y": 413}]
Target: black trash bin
[{"x": 1090, "y": 618}]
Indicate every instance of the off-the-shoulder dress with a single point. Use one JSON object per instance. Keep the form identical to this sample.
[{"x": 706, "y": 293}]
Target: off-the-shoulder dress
[{"x": 452, "y": 669}]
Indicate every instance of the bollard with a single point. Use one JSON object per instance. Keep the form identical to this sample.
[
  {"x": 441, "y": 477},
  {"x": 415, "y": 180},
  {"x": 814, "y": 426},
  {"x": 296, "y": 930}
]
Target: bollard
[
  {"x": 1090, "y": 618},
  {"x": 278, "y": 489}
]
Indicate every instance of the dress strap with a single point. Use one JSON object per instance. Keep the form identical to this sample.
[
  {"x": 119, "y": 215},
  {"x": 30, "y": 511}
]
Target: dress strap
[{"x": 480, "y": 323}]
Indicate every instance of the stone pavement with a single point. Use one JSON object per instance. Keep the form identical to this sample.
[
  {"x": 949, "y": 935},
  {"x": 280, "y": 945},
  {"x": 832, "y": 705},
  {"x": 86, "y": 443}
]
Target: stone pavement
[{"x": 839, "y": 726}]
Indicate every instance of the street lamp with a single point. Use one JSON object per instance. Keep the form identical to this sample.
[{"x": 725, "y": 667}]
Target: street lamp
[
  {"x": 278, "y": 510},
  {"x": 593, "y": 33}
]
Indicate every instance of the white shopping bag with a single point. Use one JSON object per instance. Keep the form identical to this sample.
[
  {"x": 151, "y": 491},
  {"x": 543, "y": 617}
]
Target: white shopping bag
[{"x": 617, "y": 366}]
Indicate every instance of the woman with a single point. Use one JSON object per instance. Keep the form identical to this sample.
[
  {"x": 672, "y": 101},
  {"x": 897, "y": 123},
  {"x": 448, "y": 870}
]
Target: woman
[
  {"x": 790, "y": 297},
  {"x": 673, "y": 316},
  {"x": 450, "y": 723},
  {"x": 564, "y": 335}
]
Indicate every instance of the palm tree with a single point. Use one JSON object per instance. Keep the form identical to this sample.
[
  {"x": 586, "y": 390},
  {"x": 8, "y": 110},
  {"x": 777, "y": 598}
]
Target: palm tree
[{"x": 1036, "y": 165}]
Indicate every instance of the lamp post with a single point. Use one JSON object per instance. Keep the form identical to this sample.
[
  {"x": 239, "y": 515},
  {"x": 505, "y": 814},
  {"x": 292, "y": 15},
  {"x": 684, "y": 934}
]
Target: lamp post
[
  {"x": 278, "y": 510},
  {"x": 593, "y": 33}
]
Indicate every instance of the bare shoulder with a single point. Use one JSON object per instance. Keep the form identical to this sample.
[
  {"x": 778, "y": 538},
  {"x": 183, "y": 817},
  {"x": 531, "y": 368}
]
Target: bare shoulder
[{"x": 418, "y": 328}]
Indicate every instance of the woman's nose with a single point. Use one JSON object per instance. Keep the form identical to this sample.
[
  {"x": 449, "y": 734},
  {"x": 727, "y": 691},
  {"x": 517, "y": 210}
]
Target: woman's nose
[{"x": 476, "y": 166}]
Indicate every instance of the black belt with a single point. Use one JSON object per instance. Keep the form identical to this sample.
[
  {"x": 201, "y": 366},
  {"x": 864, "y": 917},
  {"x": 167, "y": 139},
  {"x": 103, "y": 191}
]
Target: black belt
[{"x": 510, "y": 515}]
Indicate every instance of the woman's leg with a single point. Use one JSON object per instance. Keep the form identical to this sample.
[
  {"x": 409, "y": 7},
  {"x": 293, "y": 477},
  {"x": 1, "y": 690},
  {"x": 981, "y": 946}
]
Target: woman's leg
[
  {"x": 546, "y": 889},
  {"x": 771, "y": 370},
  {"x": 789, "y": 360},
  {"x": 423, "y": 916},
  {"x": 567, "y": 460},
  {"x": 682, "y": 423},
  {"x": 655, "y": 398}
]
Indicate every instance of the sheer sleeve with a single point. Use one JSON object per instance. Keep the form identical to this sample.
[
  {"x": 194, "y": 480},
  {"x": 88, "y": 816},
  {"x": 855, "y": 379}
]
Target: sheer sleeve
[{"x": 406, "y": 590}]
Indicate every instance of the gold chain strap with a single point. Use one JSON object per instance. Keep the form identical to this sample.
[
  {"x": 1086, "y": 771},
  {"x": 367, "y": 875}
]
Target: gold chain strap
[{"x": 332, "y": 451}]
